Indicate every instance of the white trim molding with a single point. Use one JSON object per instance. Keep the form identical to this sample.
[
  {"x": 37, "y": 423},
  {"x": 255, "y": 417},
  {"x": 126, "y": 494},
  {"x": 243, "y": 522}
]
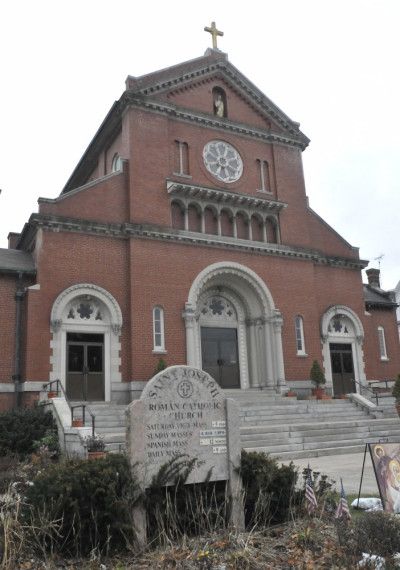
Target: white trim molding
[
  {"x": 259, "y": 323},
  {"x": 107, "y": 321}
]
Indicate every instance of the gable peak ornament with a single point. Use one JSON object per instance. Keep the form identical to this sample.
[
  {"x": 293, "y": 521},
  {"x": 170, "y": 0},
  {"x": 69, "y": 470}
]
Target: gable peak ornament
[{"x": 214, "y": 33}]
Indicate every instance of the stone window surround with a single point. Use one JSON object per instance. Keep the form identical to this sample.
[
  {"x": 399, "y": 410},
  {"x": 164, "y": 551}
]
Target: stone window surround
[
  {"x": 264, "y": 173},
  {"x": 382, "y": 343},
  {"x": 219, "y": 200}
]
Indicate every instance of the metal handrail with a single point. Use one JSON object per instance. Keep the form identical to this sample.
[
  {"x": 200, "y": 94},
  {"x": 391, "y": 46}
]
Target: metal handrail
[
  {"x": 363, "y": 387},
  {"x": 60, "y": 388}
]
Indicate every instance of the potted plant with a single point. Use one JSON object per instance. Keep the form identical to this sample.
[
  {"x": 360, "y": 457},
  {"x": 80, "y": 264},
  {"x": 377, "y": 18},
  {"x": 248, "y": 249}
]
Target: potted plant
[
  {"x": 317, "y": 377},
  {"x": 95, "y": 446},
  {"x": 396, "y": 393}
]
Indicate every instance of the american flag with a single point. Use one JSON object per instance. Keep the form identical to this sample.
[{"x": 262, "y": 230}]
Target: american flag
[
  {"x": 311, "y": 501},
  {"x": 342, "y": 511}
]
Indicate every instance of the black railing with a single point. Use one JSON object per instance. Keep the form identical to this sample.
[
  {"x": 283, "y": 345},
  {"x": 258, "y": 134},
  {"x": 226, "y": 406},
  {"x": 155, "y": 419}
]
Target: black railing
[
  {"x": 59, "y": 389},
  {"x": 364, "y": 388}
]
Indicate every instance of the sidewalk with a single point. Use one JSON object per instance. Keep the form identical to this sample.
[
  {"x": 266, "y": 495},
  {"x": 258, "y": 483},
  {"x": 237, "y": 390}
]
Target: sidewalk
[{"x": 348, "y": 467}]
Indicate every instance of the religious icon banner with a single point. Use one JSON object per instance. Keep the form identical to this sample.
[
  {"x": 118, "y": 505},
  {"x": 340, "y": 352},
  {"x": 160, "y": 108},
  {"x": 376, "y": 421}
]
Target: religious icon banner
[{"x": 386, "y": 461}]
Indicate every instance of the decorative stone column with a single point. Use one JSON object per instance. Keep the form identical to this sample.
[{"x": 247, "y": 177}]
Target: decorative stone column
[
  {"x": 189, "y": 316},
  {"x": 234, "y": 223},
  {"x": 186, "y": 217},
  {"x": 254, "y": 380},
  {"x": 264, "y": 231},
  {"x": 219, "y": 223},
  {"x": 277, "y": 323}
]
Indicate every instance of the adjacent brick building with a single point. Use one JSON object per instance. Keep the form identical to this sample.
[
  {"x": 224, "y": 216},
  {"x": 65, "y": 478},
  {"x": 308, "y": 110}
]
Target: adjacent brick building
[{"x": 184, "y": 236}]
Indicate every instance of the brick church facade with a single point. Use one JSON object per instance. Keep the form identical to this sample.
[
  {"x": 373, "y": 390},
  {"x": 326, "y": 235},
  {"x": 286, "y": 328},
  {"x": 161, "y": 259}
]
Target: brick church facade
[{"x": 184, "y": 236}]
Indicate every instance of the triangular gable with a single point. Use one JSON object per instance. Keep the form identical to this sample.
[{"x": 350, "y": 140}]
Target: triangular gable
[{"x": 176, "y": 84}]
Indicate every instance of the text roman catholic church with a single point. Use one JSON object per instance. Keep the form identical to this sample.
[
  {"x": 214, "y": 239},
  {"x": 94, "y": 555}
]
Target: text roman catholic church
[{"x": 184, "y": 233}]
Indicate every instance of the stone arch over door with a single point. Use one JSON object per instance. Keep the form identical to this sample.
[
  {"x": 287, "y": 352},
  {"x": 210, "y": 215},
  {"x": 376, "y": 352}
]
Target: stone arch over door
[
  {"x": 341, "y": 325},
  {"x": 89, "y": 309},
  {"x": 259, "y": 323}
]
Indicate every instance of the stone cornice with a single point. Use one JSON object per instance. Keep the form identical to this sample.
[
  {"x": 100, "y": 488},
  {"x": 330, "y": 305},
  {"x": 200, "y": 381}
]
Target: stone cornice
[
  {"x": 209, "y": 121},
  {"x": 150, "y": 231},
  {"x": 205, "y": 193},
  {"x": 202, "y": 69}
]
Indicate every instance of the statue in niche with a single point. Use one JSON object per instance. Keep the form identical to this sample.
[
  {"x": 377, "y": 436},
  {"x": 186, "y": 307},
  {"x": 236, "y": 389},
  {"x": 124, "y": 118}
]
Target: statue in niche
[{"x": 219, "y": 105}]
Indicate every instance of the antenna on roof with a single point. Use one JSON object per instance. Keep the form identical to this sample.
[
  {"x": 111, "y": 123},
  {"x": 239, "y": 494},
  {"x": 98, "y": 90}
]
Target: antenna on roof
[{"x": 379, "y": 259}]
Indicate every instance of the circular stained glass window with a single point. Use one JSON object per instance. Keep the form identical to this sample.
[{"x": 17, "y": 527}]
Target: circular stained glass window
[{"x": 223, "y": 161}]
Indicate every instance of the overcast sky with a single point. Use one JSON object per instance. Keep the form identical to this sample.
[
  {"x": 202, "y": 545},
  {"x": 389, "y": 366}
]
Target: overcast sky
[{"x": 331, "y": 65}]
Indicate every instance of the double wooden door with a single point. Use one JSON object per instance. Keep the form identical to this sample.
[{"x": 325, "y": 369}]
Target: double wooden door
[
  {"x": 85, "y": 366},
  {"x": 342, "y": 369},
  {"x": 219, "y": 349}
]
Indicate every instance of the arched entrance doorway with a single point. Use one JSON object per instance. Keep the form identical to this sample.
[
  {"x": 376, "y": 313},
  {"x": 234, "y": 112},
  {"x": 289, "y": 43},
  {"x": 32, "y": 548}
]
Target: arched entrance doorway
[
  {"x": 86, "y": 323},
  {"x": 233, "y": 329},
  {"x": 342, "y": 339}
]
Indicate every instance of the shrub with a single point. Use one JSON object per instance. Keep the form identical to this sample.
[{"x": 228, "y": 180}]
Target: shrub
[
  {"x": 377, "y": 533},
  {"x": 269, "y": 489},
  {"x": 317, "y": 377},
  {"x": 396, "y": 389},
  {"x": 22, "y": 429},
  {"x": 92, "y": 502}
]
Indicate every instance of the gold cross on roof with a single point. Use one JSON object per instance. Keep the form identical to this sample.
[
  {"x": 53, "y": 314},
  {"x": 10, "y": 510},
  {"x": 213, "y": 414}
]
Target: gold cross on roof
[{"x": 214, "y": 32}]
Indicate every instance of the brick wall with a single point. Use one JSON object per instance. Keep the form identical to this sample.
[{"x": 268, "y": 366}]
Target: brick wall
[{"x": 7, "y": 327}]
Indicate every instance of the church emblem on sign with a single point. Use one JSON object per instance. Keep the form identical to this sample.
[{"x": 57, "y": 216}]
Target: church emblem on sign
[{"x": 185, "y": 389}]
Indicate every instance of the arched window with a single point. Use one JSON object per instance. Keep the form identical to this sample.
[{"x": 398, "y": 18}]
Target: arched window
[
  {"x": 219, "y": 102},
  {"x": 382, "y": 343},
  {"x": 158, "y": 329},
  {"x": 271, "y": 230},
  {"x": 299, "y": 330},
  {"x": 210, "y": 221},
  {"x": 116, "y": 163},
  {"x": 178, "y": 216}
]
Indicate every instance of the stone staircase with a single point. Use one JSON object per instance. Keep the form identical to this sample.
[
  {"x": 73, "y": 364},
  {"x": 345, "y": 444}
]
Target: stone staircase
[
  {"x": 288, "y": 428},
  {"x": 285, "y": 428},
  {"x": 109, "y": 423}
]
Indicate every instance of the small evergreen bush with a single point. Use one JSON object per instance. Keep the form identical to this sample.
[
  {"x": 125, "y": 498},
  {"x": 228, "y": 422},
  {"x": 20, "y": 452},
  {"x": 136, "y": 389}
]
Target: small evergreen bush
[
  {"x": 92, "y": 502},
  {"x": 317, "y": 376},
  {"x": 269, "y": 489},
  {"x": 23, "y": 429}
]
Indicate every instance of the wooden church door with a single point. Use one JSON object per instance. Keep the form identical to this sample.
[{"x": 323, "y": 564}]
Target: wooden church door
[
  {"x": 342, "y": 369},
  {"x": 219, "y": 350},
  {"x": 85, "y": 366}
]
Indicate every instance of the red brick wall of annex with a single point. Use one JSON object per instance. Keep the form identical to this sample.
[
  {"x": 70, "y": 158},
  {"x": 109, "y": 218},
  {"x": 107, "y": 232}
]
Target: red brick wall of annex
[
  {"x": 377, "y": 369},
  {"x": 67, "y": 259},
  {"x": 162, "y": 274},
  {"x": 104, "y": 201},
  {"x": 7, "y": 327}
]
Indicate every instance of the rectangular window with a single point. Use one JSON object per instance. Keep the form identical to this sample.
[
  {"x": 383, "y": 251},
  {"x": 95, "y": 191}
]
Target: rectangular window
[
  {"x": 299, "y": 335},
  {"x": 181, "y": 162},
  {"x": 158, "y": 329},
  {"x": 264, "y": 176},
  {"x": 382, "y": 343}
]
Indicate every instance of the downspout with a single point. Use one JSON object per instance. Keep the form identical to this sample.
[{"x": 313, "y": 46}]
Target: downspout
[{"x": 19, "y": 297}]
